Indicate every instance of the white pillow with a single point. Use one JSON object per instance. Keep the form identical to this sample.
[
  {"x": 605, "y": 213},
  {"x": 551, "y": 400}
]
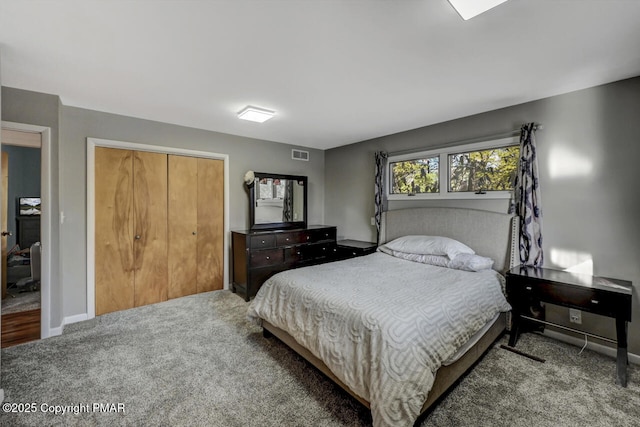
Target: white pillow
[
  {"x": 470, "y": 262},
  {"x": 439, "y": 260},
  {"x": 429, "y": 245}
]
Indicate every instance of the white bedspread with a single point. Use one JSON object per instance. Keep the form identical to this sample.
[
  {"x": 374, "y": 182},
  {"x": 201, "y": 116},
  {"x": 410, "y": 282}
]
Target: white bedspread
[{"x": 383, "y": 325}]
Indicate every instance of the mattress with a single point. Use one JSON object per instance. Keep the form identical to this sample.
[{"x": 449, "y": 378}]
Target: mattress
[{"x": 382, "y": 325}]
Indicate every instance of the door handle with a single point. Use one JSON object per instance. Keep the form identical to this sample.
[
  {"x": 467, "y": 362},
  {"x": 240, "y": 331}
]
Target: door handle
[{"x": 6, "y": 233}]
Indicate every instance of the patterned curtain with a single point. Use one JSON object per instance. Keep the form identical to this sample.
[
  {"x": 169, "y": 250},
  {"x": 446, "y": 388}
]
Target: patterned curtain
[
  {"x": 380, "y": 201},
  {"x": 287, "y": 203},
  {"x": 527, "y": 199}
]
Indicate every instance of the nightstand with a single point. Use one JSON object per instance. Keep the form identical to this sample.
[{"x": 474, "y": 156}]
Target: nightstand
[
  {"x": 353, "y": 248},
  {"x": 598, "y": 295}
]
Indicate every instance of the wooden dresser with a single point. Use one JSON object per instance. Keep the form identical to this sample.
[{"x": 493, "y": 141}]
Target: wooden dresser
[{"x": 258, "y": 255}]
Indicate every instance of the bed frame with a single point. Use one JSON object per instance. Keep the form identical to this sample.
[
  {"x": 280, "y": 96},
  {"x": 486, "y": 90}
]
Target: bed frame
[{"x": 490, "y": 234}]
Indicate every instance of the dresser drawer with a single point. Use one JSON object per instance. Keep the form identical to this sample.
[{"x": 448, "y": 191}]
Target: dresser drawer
[
  {"x": 327, "y": 234},
  {"x": 319, "y": 250},
  {"x": 265, "y": 241},
  {"x": 293, "y": 238},
  {"x": 294, "y": 254},
  {"x": 266, "y": 258}
]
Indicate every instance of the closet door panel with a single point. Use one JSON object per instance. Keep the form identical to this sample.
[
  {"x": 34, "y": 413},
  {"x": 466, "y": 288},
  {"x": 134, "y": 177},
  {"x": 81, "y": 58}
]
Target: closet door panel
[
  {"x": 210, "y": 236},
  {"x": 150, "y": 230},
  {"x": 183, "y": 222},
  {"x": 114, "y": 272}
]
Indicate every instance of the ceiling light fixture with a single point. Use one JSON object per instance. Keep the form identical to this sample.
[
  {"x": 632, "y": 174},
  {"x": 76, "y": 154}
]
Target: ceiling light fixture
[
  {"x": 255, "y": 114},
  {"x": 467, "y": 9}
]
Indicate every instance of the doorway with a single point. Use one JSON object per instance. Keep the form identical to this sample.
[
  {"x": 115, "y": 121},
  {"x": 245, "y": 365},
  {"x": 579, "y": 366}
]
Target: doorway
[{"x": 26, "y": 223}]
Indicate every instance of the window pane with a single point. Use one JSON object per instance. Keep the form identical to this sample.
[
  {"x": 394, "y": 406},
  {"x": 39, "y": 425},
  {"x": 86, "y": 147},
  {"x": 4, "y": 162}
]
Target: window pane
[
  {"x": 415, "y": 176},
  {"x": 486, "y": 170}
]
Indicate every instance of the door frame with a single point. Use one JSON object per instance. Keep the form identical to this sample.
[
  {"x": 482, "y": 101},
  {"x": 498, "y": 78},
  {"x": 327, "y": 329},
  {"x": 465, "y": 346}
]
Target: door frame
[
  {"x": 45, "y": 220},
  {"x": 92, "y": 143}
]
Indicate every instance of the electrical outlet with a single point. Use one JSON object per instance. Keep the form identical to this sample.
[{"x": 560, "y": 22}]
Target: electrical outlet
[{"x": 575, "y": 316}]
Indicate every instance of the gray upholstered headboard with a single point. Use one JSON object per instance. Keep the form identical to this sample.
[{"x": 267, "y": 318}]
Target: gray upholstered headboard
[{"x": 490, "y": 234}]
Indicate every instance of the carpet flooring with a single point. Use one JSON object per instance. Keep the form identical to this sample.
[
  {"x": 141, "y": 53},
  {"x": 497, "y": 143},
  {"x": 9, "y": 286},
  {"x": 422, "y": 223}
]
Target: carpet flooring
[{"x": 196, "y": 361}]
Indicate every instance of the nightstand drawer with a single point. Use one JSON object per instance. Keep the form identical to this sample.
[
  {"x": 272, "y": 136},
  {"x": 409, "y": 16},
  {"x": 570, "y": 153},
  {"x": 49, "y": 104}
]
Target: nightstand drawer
[
  {"x": 582, "y": 298},
  {"x": 266, "y": 258}
]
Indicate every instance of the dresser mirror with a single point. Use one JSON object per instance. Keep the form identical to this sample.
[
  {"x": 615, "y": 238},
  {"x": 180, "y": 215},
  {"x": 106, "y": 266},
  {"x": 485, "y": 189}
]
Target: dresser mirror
[{"x": 278, "y": 201}]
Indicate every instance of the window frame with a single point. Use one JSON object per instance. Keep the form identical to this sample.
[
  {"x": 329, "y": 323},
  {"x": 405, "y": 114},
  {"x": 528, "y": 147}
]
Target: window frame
[{"x": 443, "y": 154}]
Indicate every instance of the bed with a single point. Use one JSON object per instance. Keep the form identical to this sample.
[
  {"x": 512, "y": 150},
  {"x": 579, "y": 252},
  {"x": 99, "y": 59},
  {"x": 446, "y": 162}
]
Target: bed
[{"x": 393, "y": 332}]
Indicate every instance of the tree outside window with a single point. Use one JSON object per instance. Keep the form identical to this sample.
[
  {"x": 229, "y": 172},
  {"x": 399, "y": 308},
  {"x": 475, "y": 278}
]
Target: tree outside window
[
  {"x": 483, "y": 170},
  {"x": 415, "y": 176}
]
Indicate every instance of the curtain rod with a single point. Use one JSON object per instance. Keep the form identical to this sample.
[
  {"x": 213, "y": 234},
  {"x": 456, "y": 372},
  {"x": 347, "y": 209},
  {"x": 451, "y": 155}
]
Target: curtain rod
[{"x": 536, "y": 127}]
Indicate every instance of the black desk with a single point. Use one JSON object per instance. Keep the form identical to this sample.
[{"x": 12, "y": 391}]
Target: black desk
[{"x": 598, "y": 295}]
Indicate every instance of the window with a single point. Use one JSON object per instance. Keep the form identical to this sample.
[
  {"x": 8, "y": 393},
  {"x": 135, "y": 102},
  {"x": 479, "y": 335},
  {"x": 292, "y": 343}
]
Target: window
[
  {"x": 481, "y": 170},
  {"x": 415, "y": 176}
]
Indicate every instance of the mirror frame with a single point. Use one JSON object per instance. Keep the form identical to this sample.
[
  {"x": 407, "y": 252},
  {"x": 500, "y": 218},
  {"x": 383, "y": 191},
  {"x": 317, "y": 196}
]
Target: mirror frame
[{"x": 276, "y": 225}]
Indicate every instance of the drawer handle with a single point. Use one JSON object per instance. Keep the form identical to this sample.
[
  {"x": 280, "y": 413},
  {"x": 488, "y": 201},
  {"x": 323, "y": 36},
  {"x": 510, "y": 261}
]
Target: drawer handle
[
  {"x": 263, "y": 242},
  {"x": 308, "y": 237},
  {"x": 528, "y": 288},
  {"x": 298, "y": 253},
  {"x": 268, "y": 258},
  {"x": 595, "y": 301}
]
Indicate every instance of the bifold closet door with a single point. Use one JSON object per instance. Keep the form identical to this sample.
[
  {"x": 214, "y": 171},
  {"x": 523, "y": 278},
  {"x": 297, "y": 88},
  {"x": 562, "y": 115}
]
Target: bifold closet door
[
  {"x": 183, "y": 225},
  {"x": 210, "y": 236},
  {"x": 130, "y": 229},
  {"x": 114, "y": 286},
  {"x": 196, "y": 221},
  {"x": 150, "y": 227}
]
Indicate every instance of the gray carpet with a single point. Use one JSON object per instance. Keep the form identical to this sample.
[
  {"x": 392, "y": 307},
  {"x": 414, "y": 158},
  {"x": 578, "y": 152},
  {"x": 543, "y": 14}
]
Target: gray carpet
[{"x": 197, "y": 361}]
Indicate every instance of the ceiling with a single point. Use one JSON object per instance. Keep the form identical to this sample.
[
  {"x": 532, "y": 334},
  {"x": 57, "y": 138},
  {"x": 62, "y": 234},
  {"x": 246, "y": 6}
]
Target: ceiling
[{"x": 336, "y": 71}]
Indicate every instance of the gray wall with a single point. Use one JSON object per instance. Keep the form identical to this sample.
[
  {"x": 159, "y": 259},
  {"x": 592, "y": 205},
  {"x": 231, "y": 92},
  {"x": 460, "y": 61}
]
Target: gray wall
[
  {"x": 588, "y": 153},
  {"x": 24, "y": 181},
  {"x": 77, "y": 124},
  {"x": 41, "y": 109},
  {"x": 72, "y": 126}
]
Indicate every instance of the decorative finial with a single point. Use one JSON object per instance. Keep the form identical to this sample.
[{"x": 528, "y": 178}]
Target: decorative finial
[{"x": 249, "y": 178}]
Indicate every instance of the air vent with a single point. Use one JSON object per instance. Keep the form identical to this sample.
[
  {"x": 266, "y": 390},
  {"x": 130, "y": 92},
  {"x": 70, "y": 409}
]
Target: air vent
[{"x": 300, "y": 155}]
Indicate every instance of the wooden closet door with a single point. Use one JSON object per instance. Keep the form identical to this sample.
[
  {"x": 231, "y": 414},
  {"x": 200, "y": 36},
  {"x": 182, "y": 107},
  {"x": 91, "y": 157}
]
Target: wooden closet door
[
  {"x": 183, "y": 225},
  {"x": 114, "y": 275},
  {"x": 210, "y": 237},
  {"x": 150, "y": 228}
]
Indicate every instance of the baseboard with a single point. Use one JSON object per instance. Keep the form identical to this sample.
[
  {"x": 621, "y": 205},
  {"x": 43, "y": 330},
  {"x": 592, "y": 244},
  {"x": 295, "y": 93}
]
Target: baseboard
[
  {"x": 75, "y": 318},
  {"x": 54, "y": 332},
  {"x": 594, "y": 346}
]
